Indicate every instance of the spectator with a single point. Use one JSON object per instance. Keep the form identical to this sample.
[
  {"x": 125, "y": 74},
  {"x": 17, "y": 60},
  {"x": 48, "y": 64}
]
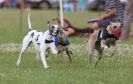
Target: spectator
[
  {"x": 82, "y": 5},
  {"x": 114, "y": 11},
  {"x": 123, "y": 1},
  {"x": 128, "y": 20},
  {"x": 1, "y": 3},
  {"x": 75, "y": 4},
  {"x": 13, "y": 3},
  {"x": 68, "y": 6},
  {"x": 7, "y": 3}
]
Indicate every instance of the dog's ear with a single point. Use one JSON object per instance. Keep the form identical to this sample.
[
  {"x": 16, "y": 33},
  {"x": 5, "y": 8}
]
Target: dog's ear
[{"x": 48, "y": 23}]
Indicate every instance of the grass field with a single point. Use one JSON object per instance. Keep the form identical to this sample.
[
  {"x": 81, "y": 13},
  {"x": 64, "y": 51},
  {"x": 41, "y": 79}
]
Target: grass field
[{"x": 117, "y": 69}]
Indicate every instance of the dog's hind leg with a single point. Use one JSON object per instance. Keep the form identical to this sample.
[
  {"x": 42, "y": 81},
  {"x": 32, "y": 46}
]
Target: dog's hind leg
[
  {"x": 37, "y": 49},
  {"x": 37, "y": 54},
  {"x": 91, "y": 45},
  {"x": 61, "y": 56},
  {"x": 43, "y": 49},
  {"x": 114, "y": 51},
  {"x": 91, "y": 48},
  {"x": 26, "y": 42}
]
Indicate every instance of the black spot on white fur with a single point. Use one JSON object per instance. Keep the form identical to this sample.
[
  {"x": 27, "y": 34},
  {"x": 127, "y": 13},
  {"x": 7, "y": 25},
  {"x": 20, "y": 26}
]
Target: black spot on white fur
[
  {"x": 37, "y": 37},
  {"x": 32, "y": 35}
]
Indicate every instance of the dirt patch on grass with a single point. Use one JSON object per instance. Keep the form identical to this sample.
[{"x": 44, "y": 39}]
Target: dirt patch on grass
[
  {"x": 12, "y": 47},
  {"x": 122, "y": 49}
]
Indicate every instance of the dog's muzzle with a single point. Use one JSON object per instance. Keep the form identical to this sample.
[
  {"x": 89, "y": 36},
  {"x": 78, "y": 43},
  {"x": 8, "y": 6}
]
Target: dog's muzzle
[
  {"x": 117, "y": 32},
  {"x": 54, "y": 33}
]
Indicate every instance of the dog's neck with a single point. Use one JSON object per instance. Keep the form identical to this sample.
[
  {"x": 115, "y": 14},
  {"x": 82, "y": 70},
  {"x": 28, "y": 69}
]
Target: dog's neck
[{"x": 48, "y": 36}]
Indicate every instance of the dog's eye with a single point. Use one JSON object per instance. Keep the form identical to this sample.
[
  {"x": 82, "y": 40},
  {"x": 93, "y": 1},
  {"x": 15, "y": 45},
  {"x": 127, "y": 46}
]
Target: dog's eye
[
  {"x": 114, "y": 26},
  {"x": 53, "y": 27}
]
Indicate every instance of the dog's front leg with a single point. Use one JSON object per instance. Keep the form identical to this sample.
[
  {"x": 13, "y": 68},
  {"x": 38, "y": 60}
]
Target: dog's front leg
[
  {"x": 43, "y": 55},
  {"x": 53, "y": 48},
  {"x": 60, "y": 53},
  {"x": 116, "y": 45},
  {"x": 99, "y": 58},
  {"x": 114, "y": 49},
  {"x": 38, "y": 55}
]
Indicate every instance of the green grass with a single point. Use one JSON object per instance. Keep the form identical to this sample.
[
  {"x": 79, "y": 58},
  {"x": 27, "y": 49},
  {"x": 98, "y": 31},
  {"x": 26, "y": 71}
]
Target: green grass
[{"x": 111, "y": 70}]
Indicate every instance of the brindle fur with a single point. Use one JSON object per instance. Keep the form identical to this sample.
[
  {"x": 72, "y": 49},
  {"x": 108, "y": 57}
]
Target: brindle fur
[
  {"x": 94, "y": 43},
  {"x": 63, "y": 48}
]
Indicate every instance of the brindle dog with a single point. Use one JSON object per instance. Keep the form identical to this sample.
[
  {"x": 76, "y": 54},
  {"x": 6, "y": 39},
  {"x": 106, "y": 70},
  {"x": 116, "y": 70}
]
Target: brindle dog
[
  {"x": 94, "y": 42},
  {"x": 62, "y": 46}
]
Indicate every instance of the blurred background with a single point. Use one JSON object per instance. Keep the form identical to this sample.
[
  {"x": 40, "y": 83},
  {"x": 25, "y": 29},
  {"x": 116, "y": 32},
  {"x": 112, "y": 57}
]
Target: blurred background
[
  {"x": 68, "y": 5},
  {"x": 78, "y": 12},
  {"x": 42, "y": 11},
  {"x": 117, "y": 69}
]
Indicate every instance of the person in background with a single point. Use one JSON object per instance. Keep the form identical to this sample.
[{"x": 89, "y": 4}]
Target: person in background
[
  {"x": 75, "y": 4},
  {"x": 128, "y": 19},
  {"x": 13, "y": 3},
  {"x": 82, "y": 5},
  {"x": 7, "y": 3},
  {"x": 1, "y": 3},
  {"x": 114, "y": 11},
  {"x": 68, "y": 6}
]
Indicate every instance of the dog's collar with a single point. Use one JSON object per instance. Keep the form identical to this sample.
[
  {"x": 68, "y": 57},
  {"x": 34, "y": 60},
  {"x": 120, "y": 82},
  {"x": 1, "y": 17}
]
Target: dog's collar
[
  {"x": 52, "y": 34},
  {"x": 48, "y": 41}
]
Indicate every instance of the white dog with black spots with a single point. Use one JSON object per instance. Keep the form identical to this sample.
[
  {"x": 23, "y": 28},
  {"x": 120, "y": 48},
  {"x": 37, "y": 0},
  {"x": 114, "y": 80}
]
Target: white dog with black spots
[{"x": 41, "y": 40}]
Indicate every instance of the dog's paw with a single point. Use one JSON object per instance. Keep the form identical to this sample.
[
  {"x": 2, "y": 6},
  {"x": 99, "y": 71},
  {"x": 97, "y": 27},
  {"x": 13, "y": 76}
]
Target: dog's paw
[
  {"x": 46, "y": 67},
  {"x": 106, "y": 47},
  {"x": 18, "y": 62}
]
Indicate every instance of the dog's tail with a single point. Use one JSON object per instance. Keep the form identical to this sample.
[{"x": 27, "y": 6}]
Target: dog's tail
[
  {"x": 29, "y": 21},
  {"x": 78, "y": 31}
]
